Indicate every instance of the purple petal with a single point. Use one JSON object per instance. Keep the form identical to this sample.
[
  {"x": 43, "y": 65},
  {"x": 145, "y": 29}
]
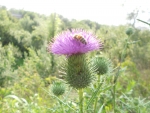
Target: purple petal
[{"x": 66, "y": 44}]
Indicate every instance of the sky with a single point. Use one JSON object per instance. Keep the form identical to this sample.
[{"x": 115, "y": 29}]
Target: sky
[{"x": 109, "y": 12}]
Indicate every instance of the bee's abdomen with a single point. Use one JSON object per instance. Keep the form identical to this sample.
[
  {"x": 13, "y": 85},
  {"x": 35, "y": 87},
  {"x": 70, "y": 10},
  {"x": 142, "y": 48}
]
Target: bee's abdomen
[{"x": 83, "y": 41}]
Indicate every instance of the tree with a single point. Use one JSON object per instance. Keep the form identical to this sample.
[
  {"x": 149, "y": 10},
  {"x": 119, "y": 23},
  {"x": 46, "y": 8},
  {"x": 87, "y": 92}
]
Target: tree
[{"x": 133, "y": 16}]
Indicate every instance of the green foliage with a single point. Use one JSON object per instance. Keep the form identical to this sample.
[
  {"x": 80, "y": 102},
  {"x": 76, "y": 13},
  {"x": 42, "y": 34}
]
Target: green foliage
[
  {"x": 4, "y": 92},
  {"x": 7, "y": 58},
  {"x": 38, "y": 62},
  {"x": 39, "y": 36},
  {"x": 27, "y": 95},
  {"x": 54, "y": 28},
  {"x": 140, "y": 50},
  {"x": 131, "y": 67},
  {"x": 3, "y": 15},
  {"x": 79, "y": 25},
  {"x": 10, "y": 34},
  {"x": 28, "y": 24},
  {"x": 54, "y": 25}
]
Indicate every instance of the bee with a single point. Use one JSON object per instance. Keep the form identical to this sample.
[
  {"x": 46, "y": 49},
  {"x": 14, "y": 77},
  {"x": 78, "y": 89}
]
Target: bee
[{"x": 80, "y": 38}]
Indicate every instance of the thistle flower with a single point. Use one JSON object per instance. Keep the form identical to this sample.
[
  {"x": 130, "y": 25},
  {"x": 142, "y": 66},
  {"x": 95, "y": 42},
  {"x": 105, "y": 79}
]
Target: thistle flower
[
  {"x": 66, "y": 44},
  {"x": 75, "y": 44}
]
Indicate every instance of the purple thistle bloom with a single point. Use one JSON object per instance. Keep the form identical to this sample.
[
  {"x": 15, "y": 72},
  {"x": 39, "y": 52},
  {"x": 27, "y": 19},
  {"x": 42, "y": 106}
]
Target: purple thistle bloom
[{"x": 66, "y": 44}]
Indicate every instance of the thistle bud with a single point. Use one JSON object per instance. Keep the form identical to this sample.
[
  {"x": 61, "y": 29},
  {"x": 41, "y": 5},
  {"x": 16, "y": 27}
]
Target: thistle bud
[
  {"x": 58, "y": 88},
  {"x": 129, "y": 31},
  {"x": 101, "y": 64},
  {"x": 78, "y": 72}
]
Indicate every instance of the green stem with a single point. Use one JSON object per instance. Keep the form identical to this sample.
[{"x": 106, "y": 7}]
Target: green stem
[
  {"x": 114, "y": 97},
  {"x": 96, "y": 98},
  {"x": 143, "y": 21},
  {"x": 61, "y": 107},
  {"x": 81, "y": 100},
  {"x": 117, "y": 74},
  {"x": 52, "y": 63}
]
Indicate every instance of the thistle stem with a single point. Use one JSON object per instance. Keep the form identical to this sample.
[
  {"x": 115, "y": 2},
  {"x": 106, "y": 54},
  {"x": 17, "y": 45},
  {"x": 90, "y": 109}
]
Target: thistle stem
[
  {"x": 117, "y": 74},
  {"x": 61, "y": 107},
  {"x": 81, "y": 100},
  {"x": 114, "y": 97},
  {"x": 96, "y": 98}
]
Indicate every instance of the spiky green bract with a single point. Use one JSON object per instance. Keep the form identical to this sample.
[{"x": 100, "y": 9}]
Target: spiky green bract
[
  {"x": 101, "y": 64},
  {"x": 58, "y": 88},
  {"x": 129, "y": 31},
  {"x": 78, "y": 71}
]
